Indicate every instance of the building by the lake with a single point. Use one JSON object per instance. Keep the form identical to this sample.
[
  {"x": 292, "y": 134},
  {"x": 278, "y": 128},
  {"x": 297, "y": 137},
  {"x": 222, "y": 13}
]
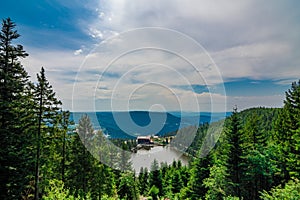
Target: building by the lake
[{"x": 144, "y": 140}]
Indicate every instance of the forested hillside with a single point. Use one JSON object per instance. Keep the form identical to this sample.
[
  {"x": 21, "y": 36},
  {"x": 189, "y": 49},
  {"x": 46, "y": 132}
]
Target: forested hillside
[{"x": 257, "y": 155}]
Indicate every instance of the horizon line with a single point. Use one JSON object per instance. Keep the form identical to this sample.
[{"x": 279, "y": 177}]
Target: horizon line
[{"x": 88, "y": 111}]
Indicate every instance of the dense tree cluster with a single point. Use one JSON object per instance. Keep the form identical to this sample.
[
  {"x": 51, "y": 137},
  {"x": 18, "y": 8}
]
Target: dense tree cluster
[
  {"x": 44, "y": 156},
  {"x": 41, "y": 154}
]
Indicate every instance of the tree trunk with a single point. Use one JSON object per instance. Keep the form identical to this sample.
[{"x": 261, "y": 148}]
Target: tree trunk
[{"x": 38, "y": 151}]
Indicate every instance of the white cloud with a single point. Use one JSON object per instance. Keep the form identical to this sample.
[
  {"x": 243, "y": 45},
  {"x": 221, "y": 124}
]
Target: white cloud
[
  {"x": 61, "y": 67},
  {"x": 101, "y": 15},
  {"x": 78, "y": 52},
  {"x": 244, "y": 102},
  {"x": 246, "y": 39},
  {"x": 265, "y": 60},
  {"x": 250, "y": 39}
]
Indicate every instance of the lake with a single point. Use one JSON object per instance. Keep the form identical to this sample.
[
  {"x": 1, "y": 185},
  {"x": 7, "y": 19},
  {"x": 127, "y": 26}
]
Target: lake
[{"x": 144, "y": 158}]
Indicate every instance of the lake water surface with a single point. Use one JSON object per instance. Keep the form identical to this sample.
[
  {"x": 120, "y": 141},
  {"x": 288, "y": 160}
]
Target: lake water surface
[{"x": 144, "y": 158}]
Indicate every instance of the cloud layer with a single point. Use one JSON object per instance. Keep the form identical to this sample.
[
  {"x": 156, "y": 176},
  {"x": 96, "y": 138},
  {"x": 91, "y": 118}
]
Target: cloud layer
[{"x": 249, "y": 39}]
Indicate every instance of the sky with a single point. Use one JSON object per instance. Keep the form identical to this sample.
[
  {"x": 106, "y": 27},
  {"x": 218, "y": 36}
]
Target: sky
[{"x": 191, "y": 55}]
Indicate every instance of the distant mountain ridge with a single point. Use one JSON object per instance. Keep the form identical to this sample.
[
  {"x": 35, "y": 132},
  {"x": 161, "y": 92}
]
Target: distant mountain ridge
[{"x": 122, "y": 124}]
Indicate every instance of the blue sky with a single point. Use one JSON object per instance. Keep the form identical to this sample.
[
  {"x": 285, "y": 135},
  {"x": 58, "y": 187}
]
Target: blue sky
[
  {"x": 48, "y": 23},
  {"x": 254, "y": 45}
]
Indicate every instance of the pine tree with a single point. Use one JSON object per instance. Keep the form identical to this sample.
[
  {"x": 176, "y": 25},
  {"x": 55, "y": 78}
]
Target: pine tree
[
  {"x": 288, "y": 133},
  {"x": 48, "y": 107},
  {"x": 257, "y": 164},
  {"x": 125, "y": 163},
  {"x": 282, "y": 143},
  {"x": 200, "y": 165},
  {"x": 65, "y": 123},
  {"x": 85, "y": 131},
  {"x": 217, "y": 183},
  {"x": 234, "y": 140},
  {"x": 292, "y": 105},
  {"x": 143, "y": 181},
  {"x": 128, "y": 189},
  {"x": 199, "y": 172},
  {"x": 155, "y": 177},
  {"x": 177, "y": 183},
  {"x": 103, "y": 181},
  {"x": 15, "y": 112},
  {"x": 81, "y": 161}
]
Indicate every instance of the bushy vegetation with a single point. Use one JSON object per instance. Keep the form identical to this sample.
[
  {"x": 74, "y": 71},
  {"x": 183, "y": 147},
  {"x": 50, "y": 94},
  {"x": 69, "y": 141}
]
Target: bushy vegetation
[{"x": 291, "y": 190}]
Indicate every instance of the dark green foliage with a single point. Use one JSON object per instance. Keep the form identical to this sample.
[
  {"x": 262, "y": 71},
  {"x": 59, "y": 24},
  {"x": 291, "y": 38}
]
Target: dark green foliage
[
  {"x": 291, "y": 191},
  {"x": 244, "y": 159},
  {"x": 199, "y": 172},
  {"x": 102, "y": 181},
  {"x": 154, "y": 192},
  {"x": 257, "y": 167},
  {"x": 200, "y": 166},
  {"x": 125, "y": 164},
  {"x": 64, "y": 120},
  {"x": 197, "y": 142},
  {"x": 288, "y": 133},
  {"x": 47, "y": 112},
  {"x": 81, "y": 161},
  {"x": 156, "y": 177},
  {"x": 219, "y": 183},
  {"x": 15, "y": 120},
  {"x": 234, "y": 154},
  {"x": 128, "y": 189},
  {"x": 185, "y": 174},
  {"x": 143, "y": 181},
  {"x": 255, "y": 164},
  {"x": 177, "y": 182}
]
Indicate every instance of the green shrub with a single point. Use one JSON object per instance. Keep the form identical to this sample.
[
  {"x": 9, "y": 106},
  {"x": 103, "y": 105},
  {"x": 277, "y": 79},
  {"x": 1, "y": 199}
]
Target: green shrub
[{"x": 291, "y": 191}]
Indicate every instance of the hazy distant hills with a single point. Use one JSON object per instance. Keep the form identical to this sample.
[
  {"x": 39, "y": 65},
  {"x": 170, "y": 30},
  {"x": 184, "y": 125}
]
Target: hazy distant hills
[{"x": 133, "y": 123}]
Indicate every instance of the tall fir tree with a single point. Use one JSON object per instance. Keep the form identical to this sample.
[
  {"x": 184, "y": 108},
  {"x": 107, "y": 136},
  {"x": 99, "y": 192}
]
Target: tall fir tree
[
  {"x": 292, "y": 105},
  {"x": 234, "y": 139},
  {"x": 199, "y": 172},
  {"x": 155, "y": 177},
  {"x": 15, "y": 116},
  {"x": 199, "y": 169},
  {"x": 125, "y": 163},
  {"x": 47, "y": 112},
  {"x": 81, "y": 161},
  {"x": 288, "y": 133},
  {"x": 254, "y": 167},
  {"x": 128, "y": 189},
  {"x": 65, "y": 128},
  {"x": 176, "y": 181},
  {"x": 103, "y": 180},
  {"x": 143, "y": 181}
]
